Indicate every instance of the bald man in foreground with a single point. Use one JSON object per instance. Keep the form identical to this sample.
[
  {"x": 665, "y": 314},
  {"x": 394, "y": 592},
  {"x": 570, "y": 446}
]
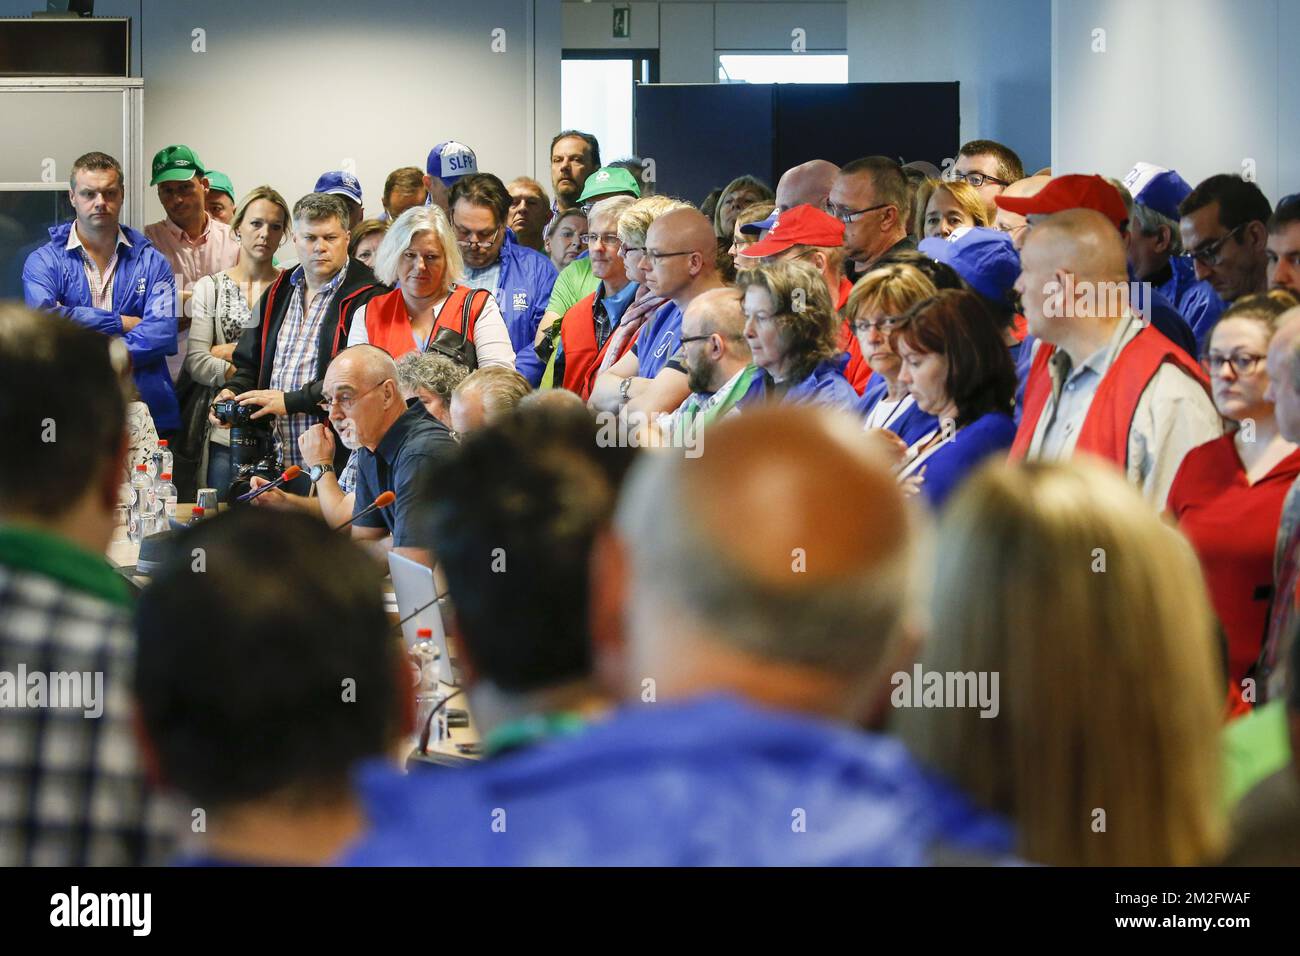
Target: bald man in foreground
[
  {"x": 808, "y": 183},
  {"x": 1102, "y": 382},
  {"x": 680, "y": 250},
  {"x": 747, "y": 632}
]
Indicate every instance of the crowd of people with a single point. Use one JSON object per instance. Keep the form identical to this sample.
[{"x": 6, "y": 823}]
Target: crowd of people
[{"x": 985, "y": 546}]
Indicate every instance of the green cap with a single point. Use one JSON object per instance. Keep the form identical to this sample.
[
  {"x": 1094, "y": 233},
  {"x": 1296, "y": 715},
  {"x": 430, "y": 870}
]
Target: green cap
[
  {"x": 174, "y": 164},
  {"x": 607, "y": 181},
  {"x": 220, "y": 182}
]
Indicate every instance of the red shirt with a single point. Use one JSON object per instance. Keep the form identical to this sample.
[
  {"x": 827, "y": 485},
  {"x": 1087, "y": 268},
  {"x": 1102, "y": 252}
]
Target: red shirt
[{"x": 1233, "y": 527}]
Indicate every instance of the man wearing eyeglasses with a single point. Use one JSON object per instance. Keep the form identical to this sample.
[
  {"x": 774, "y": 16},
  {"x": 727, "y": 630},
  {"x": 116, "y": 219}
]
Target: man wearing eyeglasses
[
  {"x": 518, "y": 277},
  {"x": 990, "y": 168},
  {"x": 870, "y": 196},
  {"x": 1223, "y": 230}
]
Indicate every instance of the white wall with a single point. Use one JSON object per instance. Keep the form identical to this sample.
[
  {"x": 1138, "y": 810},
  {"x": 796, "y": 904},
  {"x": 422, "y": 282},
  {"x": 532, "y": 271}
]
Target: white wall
[
  {"x": 998, "y": 50},
  {"x": 1202, "y": 86},
  {"x": 289, "y": 89}
]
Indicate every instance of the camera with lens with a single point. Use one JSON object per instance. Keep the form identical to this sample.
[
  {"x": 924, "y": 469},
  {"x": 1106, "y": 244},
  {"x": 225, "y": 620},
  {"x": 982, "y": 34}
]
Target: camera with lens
[{"x": 252, "y": 444}]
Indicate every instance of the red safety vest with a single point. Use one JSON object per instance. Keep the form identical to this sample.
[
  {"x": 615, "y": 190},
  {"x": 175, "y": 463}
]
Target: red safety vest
[
  {"x": 1110, "y": 416},
  {"x": 388, "y": 324},
  {"x": 582, "y": 357},
  {"x": 858, "y": 372}
]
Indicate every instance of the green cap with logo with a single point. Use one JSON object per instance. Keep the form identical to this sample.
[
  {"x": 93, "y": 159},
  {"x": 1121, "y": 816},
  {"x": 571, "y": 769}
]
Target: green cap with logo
[
  {"x": 220, "y": 183},
  {"x": 609, "y": 181},
  {"x": 175, "y": 164}
]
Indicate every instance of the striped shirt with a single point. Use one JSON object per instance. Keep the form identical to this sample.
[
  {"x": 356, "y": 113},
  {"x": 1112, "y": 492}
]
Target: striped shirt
[
  {"x": 101, "y": 283},
  {"x": 297, "y": 351}
]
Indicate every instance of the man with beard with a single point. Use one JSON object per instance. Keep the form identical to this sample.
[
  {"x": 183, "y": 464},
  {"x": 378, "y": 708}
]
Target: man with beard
[
  {"x": 574, "y": 156},
  {"x": 718, "y": 367}
]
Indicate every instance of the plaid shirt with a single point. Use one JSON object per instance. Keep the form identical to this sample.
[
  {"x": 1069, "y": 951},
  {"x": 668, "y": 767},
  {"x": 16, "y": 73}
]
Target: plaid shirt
[
  {"x": 72, "y": 792},
  {"x": 297, "y": 350}
]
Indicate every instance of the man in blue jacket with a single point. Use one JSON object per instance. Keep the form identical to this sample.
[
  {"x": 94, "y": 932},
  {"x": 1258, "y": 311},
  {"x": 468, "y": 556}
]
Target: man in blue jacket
[
  {"x": 108, "y": 277},
  {"x": 520, "y": 278},
  {"x": 755, "y": 650}
]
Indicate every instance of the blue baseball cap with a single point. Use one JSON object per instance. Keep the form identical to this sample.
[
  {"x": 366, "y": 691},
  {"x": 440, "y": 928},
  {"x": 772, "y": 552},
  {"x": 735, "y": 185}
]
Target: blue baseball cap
[
  {"x": 985, "y": 258},
  {"x": 339, "y": 183},
  {"x": 762, "y": 225},
  {"x": 1157, "y": 188},
  {"x": 449, "y": 161}
]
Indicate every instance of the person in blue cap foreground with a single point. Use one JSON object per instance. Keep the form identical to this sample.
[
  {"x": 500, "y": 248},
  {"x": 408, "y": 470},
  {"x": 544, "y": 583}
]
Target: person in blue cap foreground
[{"x": 742, "y": 685}]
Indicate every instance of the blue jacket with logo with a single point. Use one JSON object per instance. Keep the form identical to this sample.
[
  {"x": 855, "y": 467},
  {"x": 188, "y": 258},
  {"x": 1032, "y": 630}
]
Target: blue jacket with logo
[
  {"x": 54, "y": 279},
  {"x": 523, "y": 290},
  {"x": 713, "y": 781}
]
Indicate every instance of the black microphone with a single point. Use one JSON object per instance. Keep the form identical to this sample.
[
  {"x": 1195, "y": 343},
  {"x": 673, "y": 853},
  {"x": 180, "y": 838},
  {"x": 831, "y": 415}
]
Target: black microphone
[
  {"x": 290, "y": 473},
  {"x": 385, "y": 499}
]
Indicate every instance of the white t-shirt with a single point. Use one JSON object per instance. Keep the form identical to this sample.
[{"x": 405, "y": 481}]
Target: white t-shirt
[
  {"x": 491, "y": 338},
  {"x": 886, "y": 412}
]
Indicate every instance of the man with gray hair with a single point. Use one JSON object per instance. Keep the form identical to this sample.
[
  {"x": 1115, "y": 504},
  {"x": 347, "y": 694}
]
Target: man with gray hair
[
  {"x": 484, "y": 396},
  {"x": 747, "y": 655},
  {"x": 302, "y": 323}
]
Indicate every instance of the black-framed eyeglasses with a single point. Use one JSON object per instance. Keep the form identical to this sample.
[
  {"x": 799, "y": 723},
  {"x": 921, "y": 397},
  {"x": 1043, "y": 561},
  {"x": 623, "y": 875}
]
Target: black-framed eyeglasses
[
  {"x": 655, "y": 256},
  {"x": 977, "y": 179},
  {"x": 1211, "y": 254},
  {"x": 886, "y": 325},
  {"x": 1243, "y": 363},
  {"x": 850, "y": 216},
  {"x": 348, "y": 402}
]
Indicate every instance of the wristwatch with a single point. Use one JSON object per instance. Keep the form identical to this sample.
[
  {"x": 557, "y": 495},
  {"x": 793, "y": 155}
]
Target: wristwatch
[{"x": 317, "y": 471}]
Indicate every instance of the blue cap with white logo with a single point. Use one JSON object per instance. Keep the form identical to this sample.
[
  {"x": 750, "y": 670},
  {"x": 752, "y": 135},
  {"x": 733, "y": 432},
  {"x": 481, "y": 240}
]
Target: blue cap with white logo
[
  {"x": 451, "y": 160},
  {"x": 1157, "y": 188},
  {"x": 339, "y": 183}
]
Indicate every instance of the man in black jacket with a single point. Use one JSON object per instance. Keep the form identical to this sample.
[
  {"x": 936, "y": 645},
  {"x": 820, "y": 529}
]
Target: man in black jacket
[{"x": 302, "y": 323}]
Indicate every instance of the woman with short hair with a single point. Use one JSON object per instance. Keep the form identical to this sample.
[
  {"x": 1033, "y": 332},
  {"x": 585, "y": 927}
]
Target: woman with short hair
[
  {"x": 942, "y": 208},
  {"x": 956, "y": 367},
  {"x": 428, "y": 310}
]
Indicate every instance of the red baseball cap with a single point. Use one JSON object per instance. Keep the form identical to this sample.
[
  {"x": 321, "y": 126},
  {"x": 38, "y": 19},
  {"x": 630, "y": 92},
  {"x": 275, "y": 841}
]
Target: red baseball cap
[
  {"x": 1070, "y": 192},
  {"x": 800, "y": 226}
]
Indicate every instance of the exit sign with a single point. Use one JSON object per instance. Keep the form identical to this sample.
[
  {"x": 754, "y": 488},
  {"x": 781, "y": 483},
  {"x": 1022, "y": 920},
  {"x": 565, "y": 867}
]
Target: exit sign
[{"x": 622, "y": 23}]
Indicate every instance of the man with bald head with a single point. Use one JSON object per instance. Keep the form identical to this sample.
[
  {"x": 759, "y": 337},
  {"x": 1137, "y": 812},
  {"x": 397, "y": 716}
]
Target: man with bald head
[
  {"x": 680, "y": 252},
  {"x": 396, "y": 439},
  {"x": 719, "y": 370},
  {"x": 808, "y": 183},
  {"x": 747, "y": 654},
  {"x": 1013, "y": 223},
  {"x": 1102, "y": 382}
]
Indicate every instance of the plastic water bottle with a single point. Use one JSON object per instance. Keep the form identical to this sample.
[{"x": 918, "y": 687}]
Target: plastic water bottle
[
  {"x": 141, "y": 486},
  {"x": 166, "y": 460},
  {"x": 165, "y": 497}
]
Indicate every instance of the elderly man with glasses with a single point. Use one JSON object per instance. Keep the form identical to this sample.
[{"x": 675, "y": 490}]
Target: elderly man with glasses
[
  {"x": 396, "y": 440},
  {"x": 519, "y": 278},
  {"x": 870, "y": 196}
]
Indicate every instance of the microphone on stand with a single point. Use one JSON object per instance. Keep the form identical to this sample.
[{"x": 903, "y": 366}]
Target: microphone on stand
[{"x": 384, "y": 499}]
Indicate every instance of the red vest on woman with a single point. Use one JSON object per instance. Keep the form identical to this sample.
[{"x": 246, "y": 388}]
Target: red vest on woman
[
  {"x": 1110, "y": 416},
  {"x": 388, "y": 324},
  {"x": 582, "y": 357}
]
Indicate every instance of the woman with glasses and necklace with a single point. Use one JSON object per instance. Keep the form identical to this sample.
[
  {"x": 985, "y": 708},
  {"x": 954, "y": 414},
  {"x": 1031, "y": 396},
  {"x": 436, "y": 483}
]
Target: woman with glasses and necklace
[
  {"x": 428, "y": 310},
  {"x": 1227, "y": 496}
]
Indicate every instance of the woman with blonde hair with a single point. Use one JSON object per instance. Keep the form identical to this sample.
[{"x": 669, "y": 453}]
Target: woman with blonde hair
[
  {"x": 1102, "y": 742},
  {"x": 942, "y": 208},
  {"x": 429, "y": 311},
  {"x": 875, "y": 305}
]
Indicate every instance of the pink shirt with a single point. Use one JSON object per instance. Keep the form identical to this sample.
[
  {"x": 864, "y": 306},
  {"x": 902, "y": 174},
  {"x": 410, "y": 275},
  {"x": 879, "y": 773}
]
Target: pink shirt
[
  {"x": 192, "y": 259},
  {"x": 101, "y": 283}
]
